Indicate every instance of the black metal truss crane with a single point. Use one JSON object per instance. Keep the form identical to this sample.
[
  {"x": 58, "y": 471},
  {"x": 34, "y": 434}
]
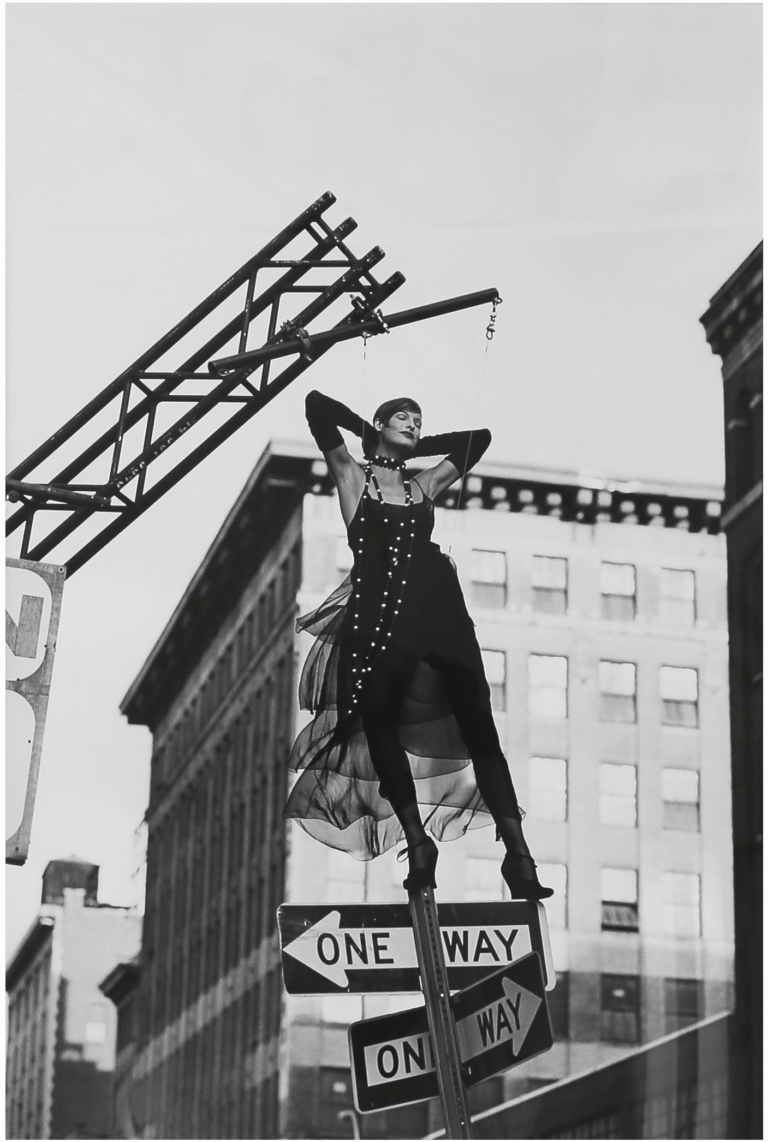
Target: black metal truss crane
[{"x": 95, "y": 470}]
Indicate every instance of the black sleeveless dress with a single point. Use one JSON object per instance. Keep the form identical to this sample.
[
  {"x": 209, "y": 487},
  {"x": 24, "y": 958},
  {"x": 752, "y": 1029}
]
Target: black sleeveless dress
[{"x": 336, "y": 797}]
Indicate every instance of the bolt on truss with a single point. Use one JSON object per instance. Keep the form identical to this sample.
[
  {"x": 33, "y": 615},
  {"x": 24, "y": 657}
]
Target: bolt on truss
[{"x": 123, "y": 451}]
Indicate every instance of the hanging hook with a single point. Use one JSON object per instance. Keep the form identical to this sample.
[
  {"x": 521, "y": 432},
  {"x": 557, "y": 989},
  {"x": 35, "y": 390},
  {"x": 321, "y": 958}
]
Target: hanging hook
[
  {"x": 367, "y": 314},
  {"x": 379, "y": 317},
  {"x": 490, "y": 329}
]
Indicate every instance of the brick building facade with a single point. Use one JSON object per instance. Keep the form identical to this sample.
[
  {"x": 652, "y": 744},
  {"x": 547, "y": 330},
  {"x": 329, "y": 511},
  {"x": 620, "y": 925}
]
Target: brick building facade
[
  {"x": 734, "y": 327},
  {"x": 218, "y": 694}
]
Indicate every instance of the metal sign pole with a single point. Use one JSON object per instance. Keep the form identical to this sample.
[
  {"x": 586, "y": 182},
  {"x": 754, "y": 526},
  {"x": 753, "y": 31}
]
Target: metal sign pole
[{"x": 434, "y": 983}]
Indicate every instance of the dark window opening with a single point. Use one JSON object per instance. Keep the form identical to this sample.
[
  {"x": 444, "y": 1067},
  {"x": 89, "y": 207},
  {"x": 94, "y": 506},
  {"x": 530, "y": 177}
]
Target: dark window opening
[
  {"x": 619, "y": 917},
  {"x": 683, "y": 1003},
  {"x": 620, "y": 1008}
]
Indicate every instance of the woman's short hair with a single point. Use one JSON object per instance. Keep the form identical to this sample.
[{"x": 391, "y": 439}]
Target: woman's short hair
[{"x": 386, "y": 411}]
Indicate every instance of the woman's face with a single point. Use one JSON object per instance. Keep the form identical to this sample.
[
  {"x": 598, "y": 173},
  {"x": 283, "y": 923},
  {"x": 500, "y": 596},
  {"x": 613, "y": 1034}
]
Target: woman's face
[{"x": 402, "y": 431}]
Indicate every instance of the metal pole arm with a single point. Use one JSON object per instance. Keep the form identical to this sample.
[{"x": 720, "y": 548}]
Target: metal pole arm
[
  {"x": 312, "y": 214},
  {"x": 134, "y": 441},
  {"x": 370, "y": 326}
]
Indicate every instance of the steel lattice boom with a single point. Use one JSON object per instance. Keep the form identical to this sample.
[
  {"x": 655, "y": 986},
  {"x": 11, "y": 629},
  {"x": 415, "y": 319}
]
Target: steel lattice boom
[{"x": 128, "y": 446}]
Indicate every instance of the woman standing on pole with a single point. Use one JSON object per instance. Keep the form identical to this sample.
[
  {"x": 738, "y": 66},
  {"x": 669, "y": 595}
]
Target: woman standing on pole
[{"x": 395, "y": 680}]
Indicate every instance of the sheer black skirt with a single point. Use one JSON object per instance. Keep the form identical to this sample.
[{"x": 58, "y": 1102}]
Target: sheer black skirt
[{"x": 339, "y": 796}]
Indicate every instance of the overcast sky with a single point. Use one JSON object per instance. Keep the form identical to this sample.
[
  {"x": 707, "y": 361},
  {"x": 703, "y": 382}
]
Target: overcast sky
[{"x": 598, "y": 164}]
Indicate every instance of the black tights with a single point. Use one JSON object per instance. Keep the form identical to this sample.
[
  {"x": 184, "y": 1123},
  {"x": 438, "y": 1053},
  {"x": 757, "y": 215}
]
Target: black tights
[{"x": 385, "y": 691}]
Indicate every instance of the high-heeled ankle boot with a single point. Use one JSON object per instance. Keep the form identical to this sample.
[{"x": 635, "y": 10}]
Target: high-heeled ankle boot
[
  {"x": 422, "y": 862},
  {"x": 519, "y": 872}
]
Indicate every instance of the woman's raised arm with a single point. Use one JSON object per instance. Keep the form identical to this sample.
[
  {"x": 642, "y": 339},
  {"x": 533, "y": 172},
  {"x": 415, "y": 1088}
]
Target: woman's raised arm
[
  {"x": 464, "y": 450},
  {"x": 325, "y": 416}
]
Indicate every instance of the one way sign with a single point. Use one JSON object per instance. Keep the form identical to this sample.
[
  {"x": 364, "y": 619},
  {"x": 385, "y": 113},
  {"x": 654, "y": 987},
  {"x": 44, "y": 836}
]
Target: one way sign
[
  {"x": 360, "y": 948},
  {"x": 500, "y": 1022},
  {"x": 32, "y": 606}
]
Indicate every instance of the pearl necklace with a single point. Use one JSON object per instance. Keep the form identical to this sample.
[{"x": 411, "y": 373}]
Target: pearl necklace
[
  {"x": 388, "y": 462},
  {"x": 362, "y": 662}
]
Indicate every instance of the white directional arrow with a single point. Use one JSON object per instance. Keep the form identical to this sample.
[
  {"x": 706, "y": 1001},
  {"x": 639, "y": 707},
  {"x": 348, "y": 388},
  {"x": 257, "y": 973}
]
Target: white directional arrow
[
  {"x": 332, "y": 951},
  {"x": 509, "y": 1017}
]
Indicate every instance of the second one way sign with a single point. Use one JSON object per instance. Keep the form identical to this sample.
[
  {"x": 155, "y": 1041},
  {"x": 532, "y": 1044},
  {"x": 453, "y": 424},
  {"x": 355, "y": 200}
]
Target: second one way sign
[{"x": 500, "y": 1022}]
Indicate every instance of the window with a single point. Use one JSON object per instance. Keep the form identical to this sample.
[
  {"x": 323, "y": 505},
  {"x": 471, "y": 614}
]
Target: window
[
  {"x": 682, "y": 1003},
  {"x": 618, "y": 894},
  {"x": 269, "y": 605},
  {"x": 618, "y": 794},
  {"x": 620, "y": 1008},
  {"x": 550, "y": 585},
  {"x": 495, "y": 663},
  {"x": 346, "y": 877},
  {"x": 618, "y": 701},
  {"x": 677, "y": 597},
  {"x": 556, "y": 876},
  {"x": 547, "y": 686},
  {"x": 335, "y": 1098},
  {"x": 343, "y": 554},
  {"x": 679, "y": 688},
  {"x": 483, "y": 880},
  {"x": 618, "y": 591},
  {"x": 680, "y": 790},
  {"x": 682, "y": 904},
  {"x": 548, "y": 788},
  {"x": 488, "y": 575}
]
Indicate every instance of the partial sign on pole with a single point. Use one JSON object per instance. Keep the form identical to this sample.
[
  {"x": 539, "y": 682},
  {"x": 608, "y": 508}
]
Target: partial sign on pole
[
  {"x": 32, "y": 607},
  {"x": 364, "y": 948},
  {"x": 500, "y": 1022}
]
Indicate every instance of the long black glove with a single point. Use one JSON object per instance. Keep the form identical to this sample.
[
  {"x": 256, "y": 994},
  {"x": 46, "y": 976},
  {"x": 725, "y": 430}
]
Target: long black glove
[
  {"x": 463, "y": 449},
  {"x": 325, "y": 416}
]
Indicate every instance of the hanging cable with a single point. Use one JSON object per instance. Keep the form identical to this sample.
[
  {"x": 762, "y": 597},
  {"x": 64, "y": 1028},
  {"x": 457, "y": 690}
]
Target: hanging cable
[
  {"x": 490, "y": 329},
  {"x": 365, "y": 389}
]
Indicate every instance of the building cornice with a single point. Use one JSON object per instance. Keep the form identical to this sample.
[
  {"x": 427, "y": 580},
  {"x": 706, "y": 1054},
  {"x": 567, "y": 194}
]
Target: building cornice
[
  {"x": 736, "y": 308},
  {"x": 573, "y": 499},
  {"x": 121, "y": 981}
]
